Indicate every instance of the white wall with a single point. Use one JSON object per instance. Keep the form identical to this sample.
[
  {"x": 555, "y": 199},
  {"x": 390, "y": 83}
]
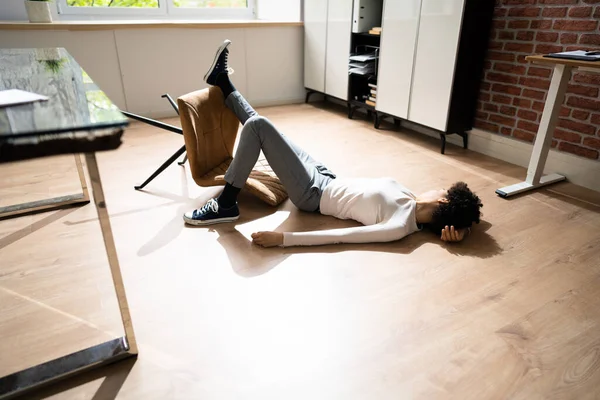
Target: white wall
[{"x": 136, "y": 66}]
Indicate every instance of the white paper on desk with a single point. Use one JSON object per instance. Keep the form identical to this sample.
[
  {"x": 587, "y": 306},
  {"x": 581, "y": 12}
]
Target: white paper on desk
[
  {"x": 15, "y": 96},
  {"x": 577, "y": 53}
]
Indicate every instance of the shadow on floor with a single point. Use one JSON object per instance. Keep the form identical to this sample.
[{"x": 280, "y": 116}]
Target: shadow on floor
[{"x": 114, "y": 376}]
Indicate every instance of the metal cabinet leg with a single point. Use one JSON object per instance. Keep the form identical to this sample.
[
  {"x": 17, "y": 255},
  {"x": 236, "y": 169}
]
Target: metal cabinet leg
[{"x": 443, "y": 138}]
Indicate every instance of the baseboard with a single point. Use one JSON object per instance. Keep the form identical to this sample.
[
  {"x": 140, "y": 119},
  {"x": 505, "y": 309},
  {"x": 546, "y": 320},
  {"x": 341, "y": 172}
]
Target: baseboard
[
  {"x": 578, "y": 170},
  {"x": 170, "y": 113}
]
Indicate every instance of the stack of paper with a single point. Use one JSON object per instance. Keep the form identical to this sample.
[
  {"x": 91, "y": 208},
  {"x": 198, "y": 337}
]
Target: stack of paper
[
  {"x": 375, "y": 30},
  {"x": 372, "y": 100}
]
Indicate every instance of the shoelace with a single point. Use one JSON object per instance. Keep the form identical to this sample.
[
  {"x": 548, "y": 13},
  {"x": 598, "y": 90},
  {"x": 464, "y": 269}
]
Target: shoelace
[
  {"x": 211, "y": 205},
  {"x": 229, "y": 70}
]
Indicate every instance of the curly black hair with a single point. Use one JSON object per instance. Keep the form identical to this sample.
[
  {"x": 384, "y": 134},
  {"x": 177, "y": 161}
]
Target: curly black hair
[{"x": 461, "y": 210}]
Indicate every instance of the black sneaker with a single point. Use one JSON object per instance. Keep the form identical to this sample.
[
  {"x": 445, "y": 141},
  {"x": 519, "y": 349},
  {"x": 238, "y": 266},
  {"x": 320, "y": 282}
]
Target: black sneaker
[
  {"x": 219, "y": 64},
  {"x": 212, "y": 213}
]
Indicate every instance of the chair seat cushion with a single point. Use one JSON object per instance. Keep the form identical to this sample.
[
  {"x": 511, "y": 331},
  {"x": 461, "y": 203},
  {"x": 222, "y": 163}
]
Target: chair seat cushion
[{"x": 262, "y": 183}]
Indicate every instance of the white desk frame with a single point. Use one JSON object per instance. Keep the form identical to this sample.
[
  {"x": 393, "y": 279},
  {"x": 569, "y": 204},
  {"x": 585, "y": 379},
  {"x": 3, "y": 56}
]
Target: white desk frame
[{"x": 543, "y": 140}]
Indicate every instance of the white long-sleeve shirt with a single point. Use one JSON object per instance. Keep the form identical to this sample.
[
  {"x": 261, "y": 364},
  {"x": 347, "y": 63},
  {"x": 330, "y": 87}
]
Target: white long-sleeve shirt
[{"x": 385, "y": 208}]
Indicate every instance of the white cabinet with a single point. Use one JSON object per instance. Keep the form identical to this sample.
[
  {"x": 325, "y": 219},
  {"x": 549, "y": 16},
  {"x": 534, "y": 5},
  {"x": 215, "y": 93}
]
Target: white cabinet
[
  {"x": 398, "y": 43},
  {"x": 435, "y": 62},
  {"x": 339, "y": 27},
  {"x": 315, "y": 42},
  {"x": 327, "y": 35}
]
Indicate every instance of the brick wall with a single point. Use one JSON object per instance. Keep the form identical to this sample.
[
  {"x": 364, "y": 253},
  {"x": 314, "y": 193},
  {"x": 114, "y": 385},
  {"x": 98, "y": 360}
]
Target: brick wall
[{"x": 513, "y": 92}]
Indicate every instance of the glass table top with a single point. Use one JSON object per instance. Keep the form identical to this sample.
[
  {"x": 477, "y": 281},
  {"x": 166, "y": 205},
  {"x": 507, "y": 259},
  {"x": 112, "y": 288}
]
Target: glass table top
[{"x": 75, "y": 102}]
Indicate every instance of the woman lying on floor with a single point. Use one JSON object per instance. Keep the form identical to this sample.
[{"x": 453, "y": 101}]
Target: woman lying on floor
[{"x": 387, "y": 210}]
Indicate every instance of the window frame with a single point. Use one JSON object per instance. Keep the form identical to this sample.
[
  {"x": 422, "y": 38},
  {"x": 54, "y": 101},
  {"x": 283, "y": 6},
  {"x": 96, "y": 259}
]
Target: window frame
[{"x": 166, "y": 10}]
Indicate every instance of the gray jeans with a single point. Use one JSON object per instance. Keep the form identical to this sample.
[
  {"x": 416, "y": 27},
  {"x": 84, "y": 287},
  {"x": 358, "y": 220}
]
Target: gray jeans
[{"x": 304, "y": 178}]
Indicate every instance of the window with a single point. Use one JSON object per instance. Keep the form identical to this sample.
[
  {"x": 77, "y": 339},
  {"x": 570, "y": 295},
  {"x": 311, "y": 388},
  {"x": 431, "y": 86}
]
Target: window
[{"x": 183, "y": 9}]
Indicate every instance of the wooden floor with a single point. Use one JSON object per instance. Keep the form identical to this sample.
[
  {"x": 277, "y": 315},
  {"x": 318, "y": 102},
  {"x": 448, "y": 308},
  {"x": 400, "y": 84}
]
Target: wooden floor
[{"x": 512, "y": 312}]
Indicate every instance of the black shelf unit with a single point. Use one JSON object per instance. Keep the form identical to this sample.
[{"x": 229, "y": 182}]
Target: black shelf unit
[{"x": 358, "y": 85}]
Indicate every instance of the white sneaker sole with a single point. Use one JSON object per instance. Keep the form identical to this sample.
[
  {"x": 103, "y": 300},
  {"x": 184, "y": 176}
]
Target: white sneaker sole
[
  {"x": 221, "y": 48},
  {"x": 210, "y": 222}
]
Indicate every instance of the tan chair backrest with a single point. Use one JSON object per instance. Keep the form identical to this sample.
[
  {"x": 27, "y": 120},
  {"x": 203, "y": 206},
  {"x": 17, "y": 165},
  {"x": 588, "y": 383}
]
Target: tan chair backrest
[{"x": 209, "y": 131}]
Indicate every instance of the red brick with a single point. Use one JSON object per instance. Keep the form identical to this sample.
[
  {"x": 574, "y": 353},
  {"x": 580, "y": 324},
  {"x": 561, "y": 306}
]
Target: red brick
[
  {"x": 575, "y": 25},
  {"x": 546, "y": 37},
  {"x": 486, "y": 126},
  {"x": 578, "y": 150},
  {"x": 533, "y": 94},
  {"x": 479, "y": 106},
  {"x": 508, "y": 89},
  {"x": 481, "y": 115},
  {"x": 590, "y": 38},
  {"x": 541, "y": 24},
  {"x": 583, "y": 90},
  {"x": 521, "y": 103},
  {"x": 538, "y": 106},
  {"x": 525, "y": 35},
  {"x": 499, "y": 24},
  {"x": 506, "y": 110},
  {"x": 539, "y": 71},
  {"x": 597, "y": 13},
  {"x": 548, "y": 48},
  {"x": 484, "y": 97},
  {"x": 487, "y": 65},
  {"x": 571, "y": 137},
  {"x": 501, "y": 99},
  {"x": 510, "y": 68},
  {"x": 580, "y": 115},
  {"x": 592, "y": 1},
  {"x": 596, "y": 119},
  {"x": 592, "y": 142},
  {"x": 557, "y": 1},
  {"x": 505, "y": 131},
  {"x": 580, "y": 12},
  {"x": 506, "y": 35},
  {"x": 521, "y": 58},
  {"x": 490, "y": 107},
  {"x": 568, "y": 38},
  {"x": 535, "y": 83},
  {"x": 524, "y": 12},
  {"x": 495, "y": 45},
  {"x": 496, "y": 77},
  {"x": 519, "y": 47},
  {"x": 498, "y": 56},
  {"x": 528, "y": 126},
  {"x": 518, "y": 24},
  {"x": 554, "y": 143},
  {"x": 485, "y": 86},
  {"x": 555, "y": 12},
  {"x": 577, "y": 126},
  {"x": 528, "y": 115},
  {"x": 588, "y": 104},
  {"x": 500, "y": 12},
  {"x": 499, "y": 119},
  {"x": 522, "y": 135},
  {"x": 517, "y": 2}
]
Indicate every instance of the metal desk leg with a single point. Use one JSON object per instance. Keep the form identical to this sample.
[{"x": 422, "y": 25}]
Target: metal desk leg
[
  {"x": 105, "y": 353},
  {"x": 543, "y": 140},
  {"x": 53, "y": 203}
]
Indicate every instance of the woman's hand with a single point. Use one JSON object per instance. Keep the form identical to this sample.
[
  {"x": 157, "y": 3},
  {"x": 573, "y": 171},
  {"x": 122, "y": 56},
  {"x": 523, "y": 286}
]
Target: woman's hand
[
  {"x": 449, "y": 234},
  {"x": 267, "y": 239}
]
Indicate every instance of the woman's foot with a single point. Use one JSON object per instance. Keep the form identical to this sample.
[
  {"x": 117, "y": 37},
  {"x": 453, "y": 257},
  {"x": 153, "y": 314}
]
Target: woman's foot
[
  {"x": 211, "y": 213},
  {"x": 219, "y": 64}
]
